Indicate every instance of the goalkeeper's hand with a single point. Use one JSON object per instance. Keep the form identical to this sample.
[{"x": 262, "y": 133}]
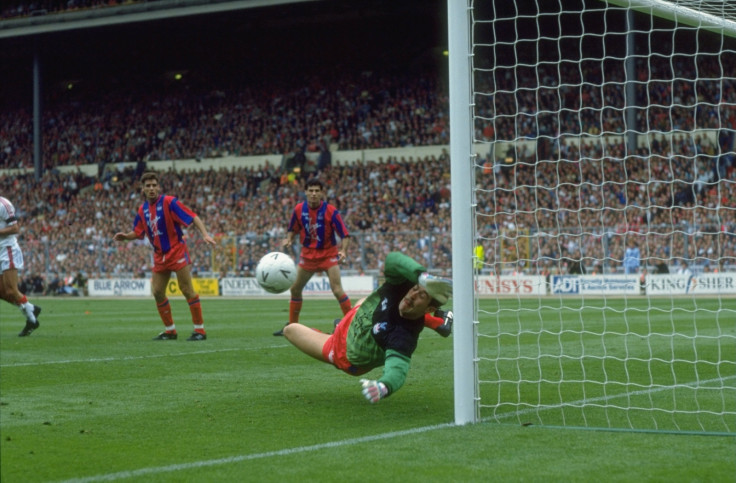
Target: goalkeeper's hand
[
  {"x": 374, "y": 391},
  {"x": 447, "y": 317},
  {"x": 438, "y": 288}
]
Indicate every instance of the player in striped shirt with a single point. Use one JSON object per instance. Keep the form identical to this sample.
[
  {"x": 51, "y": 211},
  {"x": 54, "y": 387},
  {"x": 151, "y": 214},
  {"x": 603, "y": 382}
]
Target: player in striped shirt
[
  {"x": 161, "y": 218},
  {"x": 318, "y": 225}
]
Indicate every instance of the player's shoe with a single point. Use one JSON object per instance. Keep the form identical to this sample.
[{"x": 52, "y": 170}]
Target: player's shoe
[
  {"x": 166, "y": 336},
  {"x": 280, "y": 332},
  {"x": 31, "y": 326},
  {"x": 197, "y": 336},
  {"x": 446, "y": 328},
  {"x": 335, "y": 323}
]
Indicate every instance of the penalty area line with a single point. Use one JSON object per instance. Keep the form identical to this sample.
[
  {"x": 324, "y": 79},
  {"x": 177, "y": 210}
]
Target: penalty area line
[{"x": 269, "y": 454}]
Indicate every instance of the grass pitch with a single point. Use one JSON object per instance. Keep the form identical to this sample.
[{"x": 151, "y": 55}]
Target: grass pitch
[{"x": 89, "y": 397}]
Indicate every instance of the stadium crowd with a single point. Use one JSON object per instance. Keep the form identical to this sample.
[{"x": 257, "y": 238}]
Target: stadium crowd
[
  {"x": 675, "y": 200},
  {"x": 361, "y": 111},
  {"x": 565, "y": 200},
  {"x": 358, "y": 110},
  {"x": 19, "y": 9},
  {"x": 68, "y": 218},
  {"x": 536, "y": 217}
]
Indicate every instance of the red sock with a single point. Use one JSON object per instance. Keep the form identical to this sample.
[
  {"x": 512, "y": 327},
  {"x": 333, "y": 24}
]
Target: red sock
[
  {"x": 164, "y": 310},
  {"x": 295, "y": 306},
  {"x": 196, "y": 309},
  {"x": 432, "y": 322},
  {"x": 345, "y": 304}
]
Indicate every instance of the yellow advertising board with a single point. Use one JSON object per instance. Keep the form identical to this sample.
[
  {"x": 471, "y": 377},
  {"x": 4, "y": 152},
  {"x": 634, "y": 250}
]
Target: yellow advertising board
[{"x": 203, "y": 286}]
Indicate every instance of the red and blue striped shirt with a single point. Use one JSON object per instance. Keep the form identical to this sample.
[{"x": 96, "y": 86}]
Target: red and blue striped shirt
[
  {"x": 162, "y": 222},
  {"x": 318, "y": 227}
]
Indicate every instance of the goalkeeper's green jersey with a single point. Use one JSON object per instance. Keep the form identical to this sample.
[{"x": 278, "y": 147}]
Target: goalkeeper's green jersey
[{"x": 378, "y": 335}]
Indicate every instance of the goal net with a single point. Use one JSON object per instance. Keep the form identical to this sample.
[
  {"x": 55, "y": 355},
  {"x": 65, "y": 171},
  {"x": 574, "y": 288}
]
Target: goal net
[{"x": 598, "y": 237}]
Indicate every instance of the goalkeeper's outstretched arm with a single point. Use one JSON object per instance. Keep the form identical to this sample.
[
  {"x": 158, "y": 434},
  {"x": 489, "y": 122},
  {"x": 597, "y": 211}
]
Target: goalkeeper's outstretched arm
[{"x": 394, "y": 375}]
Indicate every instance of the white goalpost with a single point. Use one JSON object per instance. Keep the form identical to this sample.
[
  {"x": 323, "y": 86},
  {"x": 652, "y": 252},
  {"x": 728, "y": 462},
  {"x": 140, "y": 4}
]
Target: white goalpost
[{"x": 593, "y": 151}]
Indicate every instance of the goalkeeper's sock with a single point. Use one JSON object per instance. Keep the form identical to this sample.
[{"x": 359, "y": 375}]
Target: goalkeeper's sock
[
  {"x": 295, "y": 306},
  {"x": 345, "y": 304},
  {"x": 195, "y": 307},
  {"x": 432, "y": 322},
  {"x": 164, "y": 310}
]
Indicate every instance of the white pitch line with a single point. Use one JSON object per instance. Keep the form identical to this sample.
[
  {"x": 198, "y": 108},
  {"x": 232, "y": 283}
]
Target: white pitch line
[
  {"x": 347, "y": 442},
  {"x": 235, "y": 459},
  {"x": 134, "y": 358}
]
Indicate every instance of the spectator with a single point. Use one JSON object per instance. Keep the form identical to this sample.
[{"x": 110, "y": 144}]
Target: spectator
[
  {"x": 684, "y": 269},
  {"x": 575, "y": 265},
  {"x": 632, "y": 258}
]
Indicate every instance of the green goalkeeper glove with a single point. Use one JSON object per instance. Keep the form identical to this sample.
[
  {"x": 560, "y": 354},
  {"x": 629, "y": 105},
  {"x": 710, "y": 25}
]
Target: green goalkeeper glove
[{"x": 374, "y": 391}]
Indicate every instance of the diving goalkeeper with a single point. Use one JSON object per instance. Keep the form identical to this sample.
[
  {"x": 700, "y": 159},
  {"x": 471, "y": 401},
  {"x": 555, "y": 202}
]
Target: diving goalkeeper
[{"x": 382, "y": 329}]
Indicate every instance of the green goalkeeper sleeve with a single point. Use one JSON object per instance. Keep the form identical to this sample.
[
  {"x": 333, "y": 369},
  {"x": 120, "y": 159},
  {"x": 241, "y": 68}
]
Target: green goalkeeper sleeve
[
  {"x": 400, "y": 268},
  {"x": 395, "y": 370}
]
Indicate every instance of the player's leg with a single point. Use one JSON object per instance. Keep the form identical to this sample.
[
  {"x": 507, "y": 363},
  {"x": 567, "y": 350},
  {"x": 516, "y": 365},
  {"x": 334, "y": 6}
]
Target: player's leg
[
  {"x": 307, "y": 340},
  {"x": 11, "y": 294},
  {"x": 333, "y": 273},
  {"x": 4, "y": 293},
  {"x": 295, "y": 304},
  {"x": 10, "y": 282},
  {"x": 432, "y": 322},
  {"x": 440, "y": 322},
  {"x": 184, "y": 277},
  {"x": 159, "y": 281}
]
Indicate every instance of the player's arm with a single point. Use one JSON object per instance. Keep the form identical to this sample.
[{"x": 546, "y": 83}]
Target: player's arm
[
  {"x": 400, "y": 268},
  {"x": 199, "y": 225},
  {"x": 12, "y": 229},
  {"x": 292, "y": 231},
  {"x": 339, "y": 227},
  {"x": 289, "y": 240},
  {"x": 125, "y": 236},
  {"x": 343, "y": 252},
  {"x": 184, "y": 215},
  {"x": 138, "y": 231},
  {"x": 395, "y": 369}
]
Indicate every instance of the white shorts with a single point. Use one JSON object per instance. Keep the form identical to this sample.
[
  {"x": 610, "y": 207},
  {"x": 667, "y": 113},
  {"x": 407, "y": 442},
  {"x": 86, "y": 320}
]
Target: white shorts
[{"x": 11, "y": 257}]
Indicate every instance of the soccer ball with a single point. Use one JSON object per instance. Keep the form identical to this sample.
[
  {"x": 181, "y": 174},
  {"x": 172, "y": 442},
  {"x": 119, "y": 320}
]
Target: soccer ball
[{"x": 276, "y": 272}]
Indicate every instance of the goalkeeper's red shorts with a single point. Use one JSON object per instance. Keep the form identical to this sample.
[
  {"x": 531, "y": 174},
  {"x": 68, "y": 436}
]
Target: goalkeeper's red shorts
[
  {"x": 335, "y": 350},
  {"x": 318, "y": 260}
]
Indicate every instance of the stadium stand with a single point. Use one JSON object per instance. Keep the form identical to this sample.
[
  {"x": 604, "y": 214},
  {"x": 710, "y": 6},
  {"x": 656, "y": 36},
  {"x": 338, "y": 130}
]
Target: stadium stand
[
  {"x": 69, "y": 216},
  {"x": 19, "y": 9},
  {"x": 355, "y": 111}
]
